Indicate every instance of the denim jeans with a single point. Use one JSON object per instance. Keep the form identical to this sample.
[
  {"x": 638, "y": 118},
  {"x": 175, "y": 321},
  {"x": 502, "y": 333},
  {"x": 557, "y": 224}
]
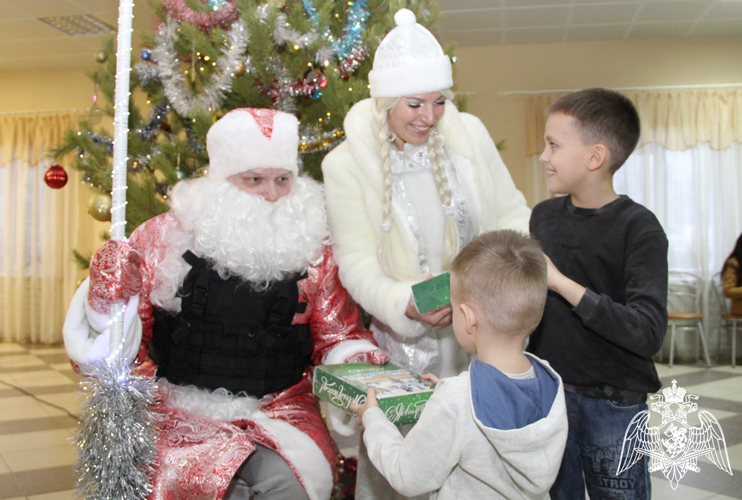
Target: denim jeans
[{"x": 596, "y": 432}]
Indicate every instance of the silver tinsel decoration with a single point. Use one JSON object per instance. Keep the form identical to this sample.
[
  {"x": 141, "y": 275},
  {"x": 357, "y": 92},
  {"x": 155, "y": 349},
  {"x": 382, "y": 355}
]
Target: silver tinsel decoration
[
  {"x": 284, "y": 34},
  {"x": 146, "y": 72},
  {"x": 209, "y": 99},
  {"x": 116, "y": 440}
]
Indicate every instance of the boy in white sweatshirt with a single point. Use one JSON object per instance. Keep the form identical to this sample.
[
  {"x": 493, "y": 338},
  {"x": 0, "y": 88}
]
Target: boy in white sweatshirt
[{"x": 498, "y": 430}]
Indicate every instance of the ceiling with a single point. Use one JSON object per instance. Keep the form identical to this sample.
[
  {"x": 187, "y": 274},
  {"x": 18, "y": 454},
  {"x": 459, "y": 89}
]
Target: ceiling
[
  {"x": 493, "y": 22},
  {"x": 28, "y": 44}
]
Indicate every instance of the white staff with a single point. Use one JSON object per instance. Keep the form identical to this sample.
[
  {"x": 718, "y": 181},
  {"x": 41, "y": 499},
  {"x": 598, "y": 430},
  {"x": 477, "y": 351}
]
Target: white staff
[{"x": 120, "y": 145}]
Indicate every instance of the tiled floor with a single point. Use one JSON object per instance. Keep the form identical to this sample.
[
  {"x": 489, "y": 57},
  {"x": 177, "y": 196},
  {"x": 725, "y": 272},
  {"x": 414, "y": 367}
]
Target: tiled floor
[
  {"x": 39, "y": 399},
  {"x": 38, "y": 405}
]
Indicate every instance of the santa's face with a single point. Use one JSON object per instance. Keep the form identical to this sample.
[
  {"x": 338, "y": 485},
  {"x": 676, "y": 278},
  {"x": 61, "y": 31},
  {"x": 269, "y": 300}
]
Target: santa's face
[{"x": 270, "y": 183}]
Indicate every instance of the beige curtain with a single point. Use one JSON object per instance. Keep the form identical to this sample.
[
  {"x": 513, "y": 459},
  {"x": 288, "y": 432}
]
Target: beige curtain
[
  {"x": 677, "y": 120},
  {"x": 39, "y": 228}
]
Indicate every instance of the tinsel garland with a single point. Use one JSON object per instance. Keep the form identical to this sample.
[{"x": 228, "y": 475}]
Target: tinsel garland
[
  {"x": 355, "y": 24},
  {"x": 146, "y": 72},
  {"x": 308, "y": 86},
  {"x": 222, "y": 13},
  {"x": 352, "y": 38},
  {"x": 146, "y": 132},
  {"x": 116, "y": 439},
  {"x": 211, "y": 96},
  {"x": 284, "y": 33},
  {"x": 157, "y": 118},
  {"x": 312, "y": 140},
  {"x": 352, "y": 61},
  {"x": 100, "y": 139}
]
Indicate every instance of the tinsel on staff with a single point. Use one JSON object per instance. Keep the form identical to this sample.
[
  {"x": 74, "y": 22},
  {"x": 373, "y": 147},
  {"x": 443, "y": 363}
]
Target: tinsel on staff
[
  {"x": 116, "y": 438},
  {"x": 116, "y": 443}
]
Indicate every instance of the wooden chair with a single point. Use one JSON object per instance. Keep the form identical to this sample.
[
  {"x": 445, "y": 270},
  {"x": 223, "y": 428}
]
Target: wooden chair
[{"x": 684, "y": 292}]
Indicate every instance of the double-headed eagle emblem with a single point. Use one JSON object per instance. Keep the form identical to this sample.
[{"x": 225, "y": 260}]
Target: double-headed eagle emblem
[{"x": 674, "y": 446}]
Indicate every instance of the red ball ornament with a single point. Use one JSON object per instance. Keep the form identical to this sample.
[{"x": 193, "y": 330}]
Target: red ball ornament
[{"x": 55, "y": 177}]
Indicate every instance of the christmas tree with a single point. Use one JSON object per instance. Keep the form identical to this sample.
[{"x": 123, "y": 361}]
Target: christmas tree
[{"x": 307, "y": 57}]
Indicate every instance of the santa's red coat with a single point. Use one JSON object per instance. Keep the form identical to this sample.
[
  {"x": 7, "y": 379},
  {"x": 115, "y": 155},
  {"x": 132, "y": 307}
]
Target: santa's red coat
[{"x": 198, "y": 455}]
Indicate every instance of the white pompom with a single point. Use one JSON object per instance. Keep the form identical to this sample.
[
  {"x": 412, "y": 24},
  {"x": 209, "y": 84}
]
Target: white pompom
[{"x": 404, "y": 16}]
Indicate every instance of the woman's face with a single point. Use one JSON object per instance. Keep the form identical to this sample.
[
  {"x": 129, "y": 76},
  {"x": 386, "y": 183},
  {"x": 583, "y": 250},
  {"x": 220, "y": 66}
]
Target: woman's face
[{"x": 413, "y": 118}]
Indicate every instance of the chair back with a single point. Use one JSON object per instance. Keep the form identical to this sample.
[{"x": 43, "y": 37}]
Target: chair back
[
  {"x": 684, "y": 292},
  {"x": 724, "y": 304}
]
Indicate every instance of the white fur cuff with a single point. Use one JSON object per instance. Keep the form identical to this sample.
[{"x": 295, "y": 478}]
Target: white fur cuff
[
  {"x": 346, "y": 349},
  {"x": 86, "y": 332}
]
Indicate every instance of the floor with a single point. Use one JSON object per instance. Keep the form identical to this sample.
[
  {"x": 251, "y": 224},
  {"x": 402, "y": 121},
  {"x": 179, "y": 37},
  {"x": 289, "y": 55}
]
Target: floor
[{"x": 38, "y": 405}]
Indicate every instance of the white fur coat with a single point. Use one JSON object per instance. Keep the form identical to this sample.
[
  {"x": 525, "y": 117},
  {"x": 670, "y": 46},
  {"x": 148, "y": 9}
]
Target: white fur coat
[{"x": 354, "y": 193}]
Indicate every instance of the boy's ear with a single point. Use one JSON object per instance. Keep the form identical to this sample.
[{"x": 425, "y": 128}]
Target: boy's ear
[
  {"x": 598, "y": 157},
  {"x": 470, "y": 317}
]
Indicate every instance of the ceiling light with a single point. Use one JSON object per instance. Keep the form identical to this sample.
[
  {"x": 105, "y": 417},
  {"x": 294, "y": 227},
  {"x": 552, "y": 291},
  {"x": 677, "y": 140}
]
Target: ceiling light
[{"x": 82, "y": 24}]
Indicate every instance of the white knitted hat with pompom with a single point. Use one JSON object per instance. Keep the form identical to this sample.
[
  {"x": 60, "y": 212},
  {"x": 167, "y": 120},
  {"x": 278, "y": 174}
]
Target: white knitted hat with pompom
[{"x": 409, "y": 61}]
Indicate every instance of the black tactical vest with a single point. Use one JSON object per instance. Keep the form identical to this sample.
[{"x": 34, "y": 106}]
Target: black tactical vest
[{"x": 230, "y": 335}]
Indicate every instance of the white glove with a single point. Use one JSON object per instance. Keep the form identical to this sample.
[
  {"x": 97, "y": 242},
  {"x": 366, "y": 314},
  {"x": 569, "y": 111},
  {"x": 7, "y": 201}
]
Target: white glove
[
  {"x": 343, "y": 423},
  {"x": 87, "y": 333}
]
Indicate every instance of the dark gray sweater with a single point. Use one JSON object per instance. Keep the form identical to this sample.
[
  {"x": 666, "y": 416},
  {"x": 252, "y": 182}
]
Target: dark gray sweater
[{"x": 603, "y": 347}]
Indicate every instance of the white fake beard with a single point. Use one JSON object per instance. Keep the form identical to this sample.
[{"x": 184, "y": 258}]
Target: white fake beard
[{"x": 241, "y": 234}]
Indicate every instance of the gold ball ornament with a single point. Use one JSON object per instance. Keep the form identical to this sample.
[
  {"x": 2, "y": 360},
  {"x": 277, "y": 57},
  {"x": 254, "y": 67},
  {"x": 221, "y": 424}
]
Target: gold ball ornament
[
  {"x": 101, "y": 56},
  {"x": 99, "y": 207},
  {"x": 240, "y": 69}
]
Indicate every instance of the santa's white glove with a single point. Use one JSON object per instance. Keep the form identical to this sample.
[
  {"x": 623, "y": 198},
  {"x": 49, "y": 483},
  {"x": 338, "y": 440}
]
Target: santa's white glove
[{"x": 87, "y": 332}]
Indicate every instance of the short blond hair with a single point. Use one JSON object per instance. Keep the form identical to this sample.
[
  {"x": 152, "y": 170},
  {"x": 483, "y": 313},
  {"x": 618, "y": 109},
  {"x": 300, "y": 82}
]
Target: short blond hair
[{"x": 504, "y": 273}]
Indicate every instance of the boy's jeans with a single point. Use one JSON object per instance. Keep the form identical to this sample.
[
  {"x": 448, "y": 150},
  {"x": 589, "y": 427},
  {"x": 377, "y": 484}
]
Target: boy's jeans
[{"x": 596, "y": 431}]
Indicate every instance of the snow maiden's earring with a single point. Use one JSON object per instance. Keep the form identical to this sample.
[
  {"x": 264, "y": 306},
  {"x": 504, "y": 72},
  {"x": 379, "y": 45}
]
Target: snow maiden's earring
[{"x": 391, "y": 137}]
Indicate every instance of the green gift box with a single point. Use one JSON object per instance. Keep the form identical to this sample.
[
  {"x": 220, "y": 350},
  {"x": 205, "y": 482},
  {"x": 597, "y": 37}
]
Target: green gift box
[
  {"x": 401, "y": 394},
  {"x": 432, "y": 293}
]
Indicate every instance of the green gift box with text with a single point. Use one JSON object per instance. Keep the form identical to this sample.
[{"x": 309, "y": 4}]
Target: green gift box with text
[
  {"x": 432, "y": 293},
  {"x": 401, "y": 394}
]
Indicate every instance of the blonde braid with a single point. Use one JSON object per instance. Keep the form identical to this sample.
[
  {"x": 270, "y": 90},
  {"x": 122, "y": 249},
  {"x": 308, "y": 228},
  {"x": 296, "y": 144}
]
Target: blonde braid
[
  {"x": 437, "y": 156},
  {"x": 451, "y": 231},
  {"x": 384, "y": 246}
]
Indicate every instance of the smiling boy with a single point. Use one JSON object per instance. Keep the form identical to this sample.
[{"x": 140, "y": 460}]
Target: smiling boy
[{"x": 606, "y": 312}]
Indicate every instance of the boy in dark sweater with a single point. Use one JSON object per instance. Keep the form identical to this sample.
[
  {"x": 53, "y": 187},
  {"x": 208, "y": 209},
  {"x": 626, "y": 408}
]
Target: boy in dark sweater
[{"x": 606, "y": 312}]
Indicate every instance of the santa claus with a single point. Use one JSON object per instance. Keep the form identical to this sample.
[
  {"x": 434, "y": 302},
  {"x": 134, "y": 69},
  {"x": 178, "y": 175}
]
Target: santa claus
[{"x": 232, "y": 296}]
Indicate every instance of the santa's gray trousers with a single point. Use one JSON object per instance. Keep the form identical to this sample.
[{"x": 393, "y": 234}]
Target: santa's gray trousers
[{"x": 265, "y": 476}]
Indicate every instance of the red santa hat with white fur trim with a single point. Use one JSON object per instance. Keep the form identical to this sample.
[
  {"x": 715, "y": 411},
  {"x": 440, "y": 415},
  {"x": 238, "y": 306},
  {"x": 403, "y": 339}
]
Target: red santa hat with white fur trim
[{"x": 248, "y": 138}]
